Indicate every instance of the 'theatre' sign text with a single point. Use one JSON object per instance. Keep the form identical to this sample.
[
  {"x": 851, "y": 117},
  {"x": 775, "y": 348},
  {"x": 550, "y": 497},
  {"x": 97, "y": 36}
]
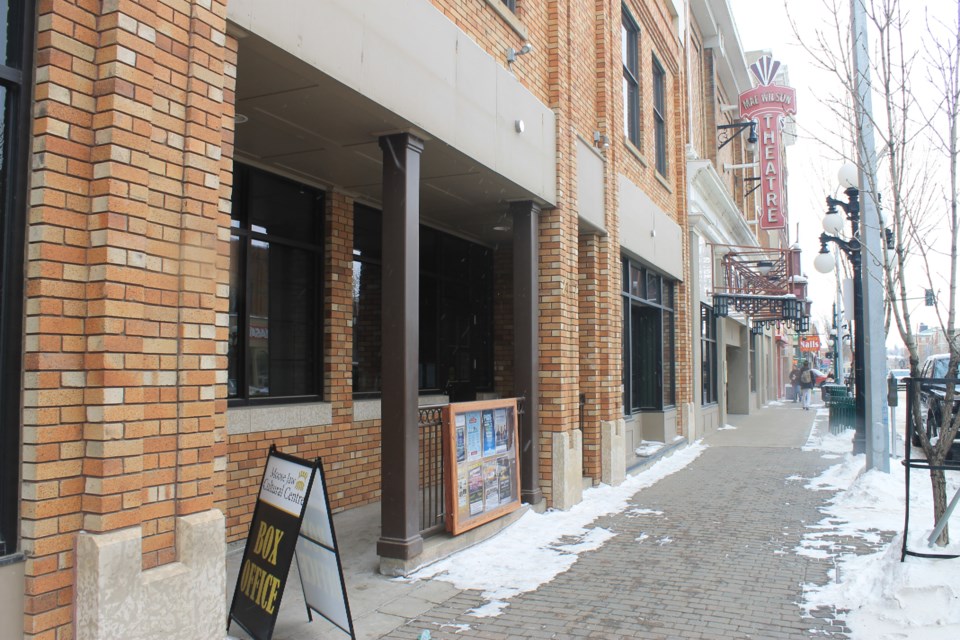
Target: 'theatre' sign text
[{"x": 767, "y": 104}]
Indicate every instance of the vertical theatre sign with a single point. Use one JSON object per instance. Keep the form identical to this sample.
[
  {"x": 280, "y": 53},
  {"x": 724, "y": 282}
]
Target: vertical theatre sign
[{"x": 767, "y": 104}]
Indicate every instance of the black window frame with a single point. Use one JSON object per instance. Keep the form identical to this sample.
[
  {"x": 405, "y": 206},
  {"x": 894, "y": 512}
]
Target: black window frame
[
  {"x": 659, "y": 81},
  {"x": 630, "y": 57},
  {"x": 247, "y": 236},
  {"x": 709, "y": 393},
  {"x": 17, "y": 83},
  {"x": 439, "y": 283},
  {"x": 648, "y": 299}
]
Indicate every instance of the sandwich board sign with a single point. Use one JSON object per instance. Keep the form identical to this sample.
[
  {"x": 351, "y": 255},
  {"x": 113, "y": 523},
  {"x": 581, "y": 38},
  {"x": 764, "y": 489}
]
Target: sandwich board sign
[{"x": 287, "y": 493}]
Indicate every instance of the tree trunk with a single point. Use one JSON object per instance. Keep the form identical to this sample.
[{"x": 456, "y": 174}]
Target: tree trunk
[{"x": 939, "y": 482}]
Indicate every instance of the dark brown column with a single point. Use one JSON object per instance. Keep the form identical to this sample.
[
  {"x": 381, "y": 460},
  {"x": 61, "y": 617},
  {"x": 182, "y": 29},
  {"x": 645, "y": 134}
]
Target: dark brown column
[
  {"x": 525, "y": 352},
  {"x": 400, "y": 498}
]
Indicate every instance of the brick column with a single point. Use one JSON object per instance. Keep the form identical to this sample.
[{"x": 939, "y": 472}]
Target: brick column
[
  {"x": 338, "y": 307},
  {"x": 125, "y": 284}
]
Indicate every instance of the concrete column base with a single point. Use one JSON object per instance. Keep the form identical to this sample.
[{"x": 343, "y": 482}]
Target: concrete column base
[
  {"x": 567, "y": 468},
  {"x": 183, "y": 600},
  {"x": 613, "y": 455}
]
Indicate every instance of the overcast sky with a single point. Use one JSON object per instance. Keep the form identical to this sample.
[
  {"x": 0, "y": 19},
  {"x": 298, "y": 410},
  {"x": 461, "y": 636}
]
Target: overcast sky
[{"x": 812, "y": 165}]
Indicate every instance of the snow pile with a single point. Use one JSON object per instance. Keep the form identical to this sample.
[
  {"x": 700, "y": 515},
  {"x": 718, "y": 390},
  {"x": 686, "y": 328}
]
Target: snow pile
[
  {"x": 886, "y": 599},
  {"x": 538, "y": 547}
]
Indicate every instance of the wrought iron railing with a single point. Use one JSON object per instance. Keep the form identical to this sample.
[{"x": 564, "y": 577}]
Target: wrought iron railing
[{"x": 432, "y": 499}]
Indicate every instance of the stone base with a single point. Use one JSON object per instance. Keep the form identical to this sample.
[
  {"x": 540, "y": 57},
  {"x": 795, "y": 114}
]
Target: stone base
[
  {"x": 567, "y": 469},
  {"x": 183, "y": 600},
  {"x": 613, "y": 451}
]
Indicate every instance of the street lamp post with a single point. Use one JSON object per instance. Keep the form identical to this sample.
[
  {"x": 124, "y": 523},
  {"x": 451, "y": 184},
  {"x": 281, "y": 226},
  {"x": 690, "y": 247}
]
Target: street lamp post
[{"x": 824, "y": 263}]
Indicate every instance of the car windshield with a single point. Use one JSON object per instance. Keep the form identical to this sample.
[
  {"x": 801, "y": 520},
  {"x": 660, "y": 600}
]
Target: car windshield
[{"x": 940, "y": 368}]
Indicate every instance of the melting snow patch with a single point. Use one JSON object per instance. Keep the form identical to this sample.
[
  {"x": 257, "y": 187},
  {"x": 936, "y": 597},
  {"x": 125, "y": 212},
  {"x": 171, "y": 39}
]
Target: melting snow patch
[
  {"x": 633, "y": 513},
  {"x": 489, "y": 610},
  {"x": 726, "y": 427},
  {"x": 537, "y": 547}
]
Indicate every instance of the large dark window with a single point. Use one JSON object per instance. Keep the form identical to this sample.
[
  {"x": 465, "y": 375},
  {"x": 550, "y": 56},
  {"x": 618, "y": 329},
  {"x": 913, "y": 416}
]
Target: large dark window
[
  {"x": 456, "y": 301},
  {"x": 16, "y": 40},
  {"x": 276, "y": 255},
  {"x": 511, "y": 4},
  {"x": 708, "y": 355},
  {"x": 630, "y": 43},
  {"x": 659, "y": 121},
  {"x": 648, "y": 340}
]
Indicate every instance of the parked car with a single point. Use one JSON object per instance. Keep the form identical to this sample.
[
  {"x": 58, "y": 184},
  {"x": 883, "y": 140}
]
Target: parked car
[
  {"x": 900, "y": 376},
  {"x": 932, "y": 388}
]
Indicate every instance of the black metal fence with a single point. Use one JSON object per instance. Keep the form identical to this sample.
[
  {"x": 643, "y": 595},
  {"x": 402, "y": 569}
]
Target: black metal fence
[
  {"x": 432, "y": 499},
  {"x": 927, "y": 411}
]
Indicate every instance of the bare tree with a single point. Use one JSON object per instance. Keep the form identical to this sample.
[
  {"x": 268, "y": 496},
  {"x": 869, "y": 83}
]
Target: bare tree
[{"x": 919, "y": 203}]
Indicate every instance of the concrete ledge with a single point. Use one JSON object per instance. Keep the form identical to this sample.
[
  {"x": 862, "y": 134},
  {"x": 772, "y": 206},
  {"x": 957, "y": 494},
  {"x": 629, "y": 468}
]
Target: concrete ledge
[
  {"x": 665, "y": 452},
  {"x": 567, "y": 489}
]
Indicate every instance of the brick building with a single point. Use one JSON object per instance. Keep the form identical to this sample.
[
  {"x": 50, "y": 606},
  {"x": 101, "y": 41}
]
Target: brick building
[{"x": 228, "y": 224}]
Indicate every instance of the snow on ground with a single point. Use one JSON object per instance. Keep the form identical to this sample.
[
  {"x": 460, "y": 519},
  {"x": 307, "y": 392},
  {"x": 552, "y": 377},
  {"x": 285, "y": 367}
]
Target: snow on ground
[
  {"x": 887, "y": 600},
  {"x": 538, "y": 547}
]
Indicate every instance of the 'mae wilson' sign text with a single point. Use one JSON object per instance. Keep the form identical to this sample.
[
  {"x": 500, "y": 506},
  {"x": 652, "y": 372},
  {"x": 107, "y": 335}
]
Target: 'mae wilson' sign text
[{"x": 767, "y": 104}]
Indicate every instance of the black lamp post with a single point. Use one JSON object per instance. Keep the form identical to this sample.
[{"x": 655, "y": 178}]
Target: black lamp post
[{"x": 833, "y": 224}]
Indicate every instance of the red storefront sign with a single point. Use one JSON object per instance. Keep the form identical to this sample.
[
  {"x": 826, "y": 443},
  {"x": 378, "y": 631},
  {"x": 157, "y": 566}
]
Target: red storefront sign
[
  {"x": 810, "y": 343},
  {"x": 767, "y": 104}
]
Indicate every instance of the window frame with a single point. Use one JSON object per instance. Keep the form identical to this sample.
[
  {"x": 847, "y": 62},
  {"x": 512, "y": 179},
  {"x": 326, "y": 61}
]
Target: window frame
[
  {"x": 631, "y": 76},
  {"x": 510, "y": 4},
  {"x": 660, "y": 305},
  {"x": 17, "y": 82},
  {"x": 247, "y": 236},
  {"x": 439, "y": 280},
  {"x": 659, "y": 82},
  {"x": 709, "y": 391}
]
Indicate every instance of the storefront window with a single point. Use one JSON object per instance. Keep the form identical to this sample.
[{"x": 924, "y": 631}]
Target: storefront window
[
  {"x": 456, "y": 301},
  {"x": 275, "y": 291},
  {"x": 648, "y": 340},
  {"x": 708, "y": 355},
  {"x": 16, "y": 29}
]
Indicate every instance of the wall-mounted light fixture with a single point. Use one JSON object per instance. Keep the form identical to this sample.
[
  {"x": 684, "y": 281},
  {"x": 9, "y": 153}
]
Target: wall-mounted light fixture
[
  {"x": 513, "y": 53},
  {"x": 600, "y": 141},
  {"x": 725, "y": 137}
]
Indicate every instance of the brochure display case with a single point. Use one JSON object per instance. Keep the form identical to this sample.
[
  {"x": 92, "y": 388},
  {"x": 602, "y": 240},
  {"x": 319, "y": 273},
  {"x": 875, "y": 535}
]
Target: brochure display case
[{"x": 482, "y": 462}]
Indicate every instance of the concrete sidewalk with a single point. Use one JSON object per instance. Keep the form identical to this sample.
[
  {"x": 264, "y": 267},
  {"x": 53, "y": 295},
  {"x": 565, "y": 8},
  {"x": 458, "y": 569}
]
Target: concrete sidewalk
[{"x": 733, "y": 518}]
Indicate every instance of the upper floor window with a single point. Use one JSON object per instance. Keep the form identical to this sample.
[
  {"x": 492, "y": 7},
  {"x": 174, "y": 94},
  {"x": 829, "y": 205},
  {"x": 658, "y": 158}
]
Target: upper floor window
[
  {"x": 276, "y": 256},
  {"x": 659, "y": 119},
  {"x": 630, "y": 43},
  {"x": 511, "y": 4}
]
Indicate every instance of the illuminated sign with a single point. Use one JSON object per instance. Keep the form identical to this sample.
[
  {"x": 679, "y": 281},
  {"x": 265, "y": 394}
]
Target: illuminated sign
[{"x": 767, "y": 104}]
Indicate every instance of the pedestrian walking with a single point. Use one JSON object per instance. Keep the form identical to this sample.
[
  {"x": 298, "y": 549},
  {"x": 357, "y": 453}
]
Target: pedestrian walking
[
  {"x": 795, "y": 383},
  {"x": 807, "y": 383}
]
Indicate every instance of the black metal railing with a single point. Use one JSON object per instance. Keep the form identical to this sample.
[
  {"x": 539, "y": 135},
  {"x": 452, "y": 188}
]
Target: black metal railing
[{"x": 432, "y": 500}]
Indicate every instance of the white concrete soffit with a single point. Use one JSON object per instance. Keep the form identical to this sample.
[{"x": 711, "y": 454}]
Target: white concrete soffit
[
  {"x": 407, "y": 57},
  {"x": 716, "y": 22},
  {"x": 712, "y": 210}
]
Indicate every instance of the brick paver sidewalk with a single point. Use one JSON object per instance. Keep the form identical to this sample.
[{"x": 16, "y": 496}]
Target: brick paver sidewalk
[{"x": 720, "y": 561}]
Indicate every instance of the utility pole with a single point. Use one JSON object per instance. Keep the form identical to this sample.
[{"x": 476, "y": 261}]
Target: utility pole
[{"x": 874, "y": 357}]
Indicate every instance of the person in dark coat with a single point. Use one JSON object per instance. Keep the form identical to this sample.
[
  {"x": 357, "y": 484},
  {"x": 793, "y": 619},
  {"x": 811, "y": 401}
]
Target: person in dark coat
[{"x": 807, "y": 383}]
